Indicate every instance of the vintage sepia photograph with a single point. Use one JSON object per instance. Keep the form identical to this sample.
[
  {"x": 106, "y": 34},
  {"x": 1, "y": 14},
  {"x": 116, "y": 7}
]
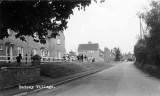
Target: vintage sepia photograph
[{"x": 79, "y": 47}]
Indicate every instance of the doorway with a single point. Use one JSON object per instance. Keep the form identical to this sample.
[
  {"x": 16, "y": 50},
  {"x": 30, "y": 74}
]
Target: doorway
[{"x": 9, "y": 56}]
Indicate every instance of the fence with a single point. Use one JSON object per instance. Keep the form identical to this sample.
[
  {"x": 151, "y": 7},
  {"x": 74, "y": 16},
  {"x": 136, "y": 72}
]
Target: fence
[
  {"x": 28, "y": 59},
  {"x": 51, "y": 59}
]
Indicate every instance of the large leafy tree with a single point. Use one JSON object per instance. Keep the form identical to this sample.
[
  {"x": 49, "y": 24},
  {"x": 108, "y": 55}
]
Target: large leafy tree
[
  {"x": 140, "y": 50},
  {"x": 28, "y": 17},
  {"x": 152, "y": 19},
  {"x": 150, "y": 47},
  {"x": 117, "y": 53}
]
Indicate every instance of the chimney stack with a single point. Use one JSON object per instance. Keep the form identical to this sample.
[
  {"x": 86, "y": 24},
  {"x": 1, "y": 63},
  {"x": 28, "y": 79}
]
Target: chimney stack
[{"x": 89, "y": 42}]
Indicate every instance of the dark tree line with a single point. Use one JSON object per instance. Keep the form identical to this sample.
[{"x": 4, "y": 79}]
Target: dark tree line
[
  {"x": 117, "y": 53},
  {"x": 147, "y": 50}
]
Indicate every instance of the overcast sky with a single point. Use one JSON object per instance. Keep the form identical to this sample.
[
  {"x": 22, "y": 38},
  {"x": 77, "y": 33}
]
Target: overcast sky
[{"x": 113, "y": 23}]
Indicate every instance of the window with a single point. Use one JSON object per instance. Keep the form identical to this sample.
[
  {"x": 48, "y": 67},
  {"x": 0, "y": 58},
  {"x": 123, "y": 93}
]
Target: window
[
  {"x": 9, "y": 31},
  {"x": 1, "y": 46},
  {"x": 34, "y": 51},
  {"x": 20, "y": 50},
  {"x": 58, "y": 41},
  {"x": 42, "y": 53},
  {"x": 46, "y": 53},
  {"x": 36, "y": 36},
  {"x": 59, "y": 55},
  {"x": 90, "y": 51}
]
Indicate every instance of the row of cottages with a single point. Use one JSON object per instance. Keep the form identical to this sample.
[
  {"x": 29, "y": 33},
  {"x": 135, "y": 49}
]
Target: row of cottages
[
  {"x": 91, "y": 50},
  {"x": 109, "y": 56},
  {"x": 10, "y": 48},
  {"x": 128, "y": 56}
]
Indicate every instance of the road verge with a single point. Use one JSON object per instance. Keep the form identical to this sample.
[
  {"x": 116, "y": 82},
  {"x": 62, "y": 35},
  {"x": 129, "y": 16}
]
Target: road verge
[{"x": 148, "y": 69}]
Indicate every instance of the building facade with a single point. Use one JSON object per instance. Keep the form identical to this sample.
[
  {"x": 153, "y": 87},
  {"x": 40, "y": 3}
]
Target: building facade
[
  {"x": 128, "y": 57},
  {"x": 108, "y": 55},
  {"x": 11, "y": 47},
  {"x": 91, "y": 50}
]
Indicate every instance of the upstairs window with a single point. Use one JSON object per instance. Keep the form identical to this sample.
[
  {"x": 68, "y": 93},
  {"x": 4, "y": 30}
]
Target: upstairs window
[
  {"x": 34, "y": 51},
  {"x": 92, "y": 51},
  {"x": 1, "y": 46},
  {"x": 9, "y": 32},
  {"x": 58, "y": 41},
  {"x": 36, "y": 37}
]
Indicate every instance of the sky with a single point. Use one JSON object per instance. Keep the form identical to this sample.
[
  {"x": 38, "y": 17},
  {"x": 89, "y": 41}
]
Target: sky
[{"x": 113, "y": 23}]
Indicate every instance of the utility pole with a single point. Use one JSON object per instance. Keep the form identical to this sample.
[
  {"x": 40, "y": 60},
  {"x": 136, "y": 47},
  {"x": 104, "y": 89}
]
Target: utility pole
[{"x": 141, "y": 27}]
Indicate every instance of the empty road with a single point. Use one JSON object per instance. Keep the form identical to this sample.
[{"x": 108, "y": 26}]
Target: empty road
[{"x": 123, "y": 79}]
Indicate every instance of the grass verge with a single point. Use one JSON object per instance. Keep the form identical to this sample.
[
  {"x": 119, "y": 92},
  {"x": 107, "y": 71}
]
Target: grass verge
[
  {"x": 152, "y": 70},
  {"x": 56, "y": 70}
]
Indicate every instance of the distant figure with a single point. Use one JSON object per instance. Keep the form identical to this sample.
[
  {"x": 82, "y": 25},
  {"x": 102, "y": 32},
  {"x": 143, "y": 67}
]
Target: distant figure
[
  {"x": 68, "y": 58},
  {"x": 64, "y": 58},
  {"x": 78, "y": 58},
  {"x": 93, "y": 60},
  {"x": 82, "y": 57},
  {"x": 26, "y": 58},
  {"x": 19, "y": 59},
  {"x": 85, "y": 58}
]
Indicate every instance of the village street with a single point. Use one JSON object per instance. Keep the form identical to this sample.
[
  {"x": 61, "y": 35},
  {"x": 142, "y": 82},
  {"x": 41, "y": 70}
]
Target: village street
[{"x": 123, "y": 79}]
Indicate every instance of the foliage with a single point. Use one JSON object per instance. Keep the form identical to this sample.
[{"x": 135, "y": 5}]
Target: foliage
[
  {"x": 140, "y": 50},
  {"x": 117, "y": 53},
  {"x": 28, "y": 17},
  {"x": 151, "y": 43}
]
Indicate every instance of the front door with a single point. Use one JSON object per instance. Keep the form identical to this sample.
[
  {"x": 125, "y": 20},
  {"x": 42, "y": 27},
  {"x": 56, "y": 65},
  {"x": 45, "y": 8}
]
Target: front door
[
  {"x": 9, "y": 53},
  {"x": 59, "y": 55}
]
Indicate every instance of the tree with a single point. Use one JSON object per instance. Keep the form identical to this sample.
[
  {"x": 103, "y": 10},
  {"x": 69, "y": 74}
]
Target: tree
[
  {"x": 117, "y": 53},
  {"x": 140, "y": 50},
  {"x": 151, "y": 42},
  {"x": 28, "y": 17}
]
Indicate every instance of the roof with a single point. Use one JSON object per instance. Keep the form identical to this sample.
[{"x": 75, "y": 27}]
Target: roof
[
  {"x": 92, "y": 46},
  {"x": 101, "y": 51}
]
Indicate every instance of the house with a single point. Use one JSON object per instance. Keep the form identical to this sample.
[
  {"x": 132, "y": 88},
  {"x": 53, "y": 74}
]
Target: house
[
  {"x": 128, "y": 56},
  {"x": 10, "y": 47},
  {"x": 91, "y": 50},
  {"x": 109, "y": 56}
]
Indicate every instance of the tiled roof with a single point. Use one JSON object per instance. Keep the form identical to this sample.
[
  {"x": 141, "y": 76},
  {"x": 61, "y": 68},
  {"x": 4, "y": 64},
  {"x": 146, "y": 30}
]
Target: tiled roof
[
  {"x": 92, "y": 46},
  {"x": 101, "y": 51}
]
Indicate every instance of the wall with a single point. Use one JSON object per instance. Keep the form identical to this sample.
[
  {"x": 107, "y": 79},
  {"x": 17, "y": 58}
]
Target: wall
[{"x": 15, "y": 76}]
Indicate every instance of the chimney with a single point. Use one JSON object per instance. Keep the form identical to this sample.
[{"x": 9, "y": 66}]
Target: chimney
[{"x": 89, "y": 42}]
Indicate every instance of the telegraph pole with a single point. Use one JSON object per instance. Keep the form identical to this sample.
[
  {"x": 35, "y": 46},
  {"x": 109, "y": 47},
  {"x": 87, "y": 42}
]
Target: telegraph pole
[{"x": 140, "y": 27}]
